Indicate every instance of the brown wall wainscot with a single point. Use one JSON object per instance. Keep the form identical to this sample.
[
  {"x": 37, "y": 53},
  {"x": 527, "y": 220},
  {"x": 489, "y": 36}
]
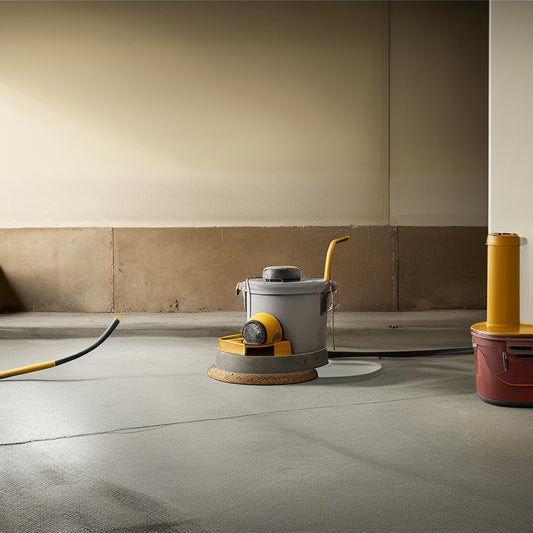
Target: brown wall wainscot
[{"x": 381, "y": 268}]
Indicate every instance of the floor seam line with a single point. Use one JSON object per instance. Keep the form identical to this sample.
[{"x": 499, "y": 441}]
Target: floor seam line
[{"x": 148, "y": 427}]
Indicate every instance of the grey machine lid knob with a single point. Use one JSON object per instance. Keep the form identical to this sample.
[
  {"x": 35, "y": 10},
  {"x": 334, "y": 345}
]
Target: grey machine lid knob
[{"x": 281, "y": 273}]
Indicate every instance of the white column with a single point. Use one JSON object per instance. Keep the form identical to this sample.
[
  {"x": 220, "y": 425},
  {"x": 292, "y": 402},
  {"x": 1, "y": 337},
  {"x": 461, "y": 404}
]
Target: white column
[{"x": 511, "y": 133}]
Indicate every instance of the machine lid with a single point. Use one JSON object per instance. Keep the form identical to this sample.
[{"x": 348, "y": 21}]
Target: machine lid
[
  {"x": 282, "y": 273},
  {"x": 271, "y": 288}
]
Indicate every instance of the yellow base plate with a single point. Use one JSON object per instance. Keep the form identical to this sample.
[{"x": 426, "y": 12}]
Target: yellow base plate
[{"x": 235, "y": 344}]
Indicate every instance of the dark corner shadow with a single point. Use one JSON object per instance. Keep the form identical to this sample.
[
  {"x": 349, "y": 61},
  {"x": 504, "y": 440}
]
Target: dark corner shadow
[{"x": 9, "y": 301}]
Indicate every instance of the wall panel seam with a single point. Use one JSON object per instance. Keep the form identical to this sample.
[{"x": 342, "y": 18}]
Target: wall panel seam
[
  {"x": 395, "y": 269},
  {"x": 389, "y": 108},
  {"x": 113, "y": 307}
]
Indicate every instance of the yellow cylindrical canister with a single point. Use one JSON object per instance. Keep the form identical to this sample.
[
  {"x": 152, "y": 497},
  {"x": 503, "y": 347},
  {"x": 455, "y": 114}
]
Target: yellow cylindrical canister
[{"x": 503, "y": 279}]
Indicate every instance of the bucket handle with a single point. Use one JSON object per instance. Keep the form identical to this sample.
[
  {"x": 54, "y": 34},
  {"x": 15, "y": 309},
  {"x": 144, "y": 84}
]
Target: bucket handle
[{"x": 327, "y": 268}]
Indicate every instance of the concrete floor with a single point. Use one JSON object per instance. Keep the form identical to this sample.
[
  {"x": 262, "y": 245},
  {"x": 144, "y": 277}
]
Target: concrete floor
[{"x": 135, "y": 437}]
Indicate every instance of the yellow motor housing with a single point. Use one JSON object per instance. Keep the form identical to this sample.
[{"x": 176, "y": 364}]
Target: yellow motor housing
[{"x": 262, "y": 328}]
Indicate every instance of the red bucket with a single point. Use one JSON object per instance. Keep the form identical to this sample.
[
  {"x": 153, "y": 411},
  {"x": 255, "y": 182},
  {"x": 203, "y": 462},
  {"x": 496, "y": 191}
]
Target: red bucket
[{"x": 504, "y": 369}]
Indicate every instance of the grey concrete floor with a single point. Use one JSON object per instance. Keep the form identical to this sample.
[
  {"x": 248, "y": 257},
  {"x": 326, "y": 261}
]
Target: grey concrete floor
[{"x": 134, "y": 437}]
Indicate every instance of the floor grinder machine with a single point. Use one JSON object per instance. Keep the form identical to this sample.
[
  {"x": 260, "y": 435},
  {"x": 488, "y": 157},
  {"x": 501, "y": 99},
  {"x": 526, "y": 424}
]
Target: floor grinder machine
[{"x": 284, "y": 338}]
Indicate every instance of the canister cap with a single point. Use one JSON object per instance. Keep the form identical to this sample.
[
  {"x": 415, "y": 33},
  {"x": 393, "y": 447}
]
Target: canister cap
[
  {"x": 503, "y": 239},
  {"x": 281, "y": 273}
]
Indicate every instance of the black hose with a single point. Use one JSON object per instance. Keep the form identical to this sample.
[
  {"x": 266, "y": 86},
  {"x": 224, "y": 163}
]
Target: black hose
[
  {"x": 333, "y": 354},
  {"x": 51, "y": 364},
  {"x": 97, "y": 343}
]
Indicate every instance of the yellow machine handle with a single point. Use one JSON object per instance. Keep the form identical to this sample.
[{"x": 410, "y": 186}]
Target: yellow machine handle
[{"x": 327, "y": 269}]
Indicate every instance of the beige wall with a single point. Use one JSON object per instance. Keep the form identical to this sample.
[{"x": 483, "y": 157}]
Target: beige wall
[
  {"x": 193, "y": 113},
  {"x": 242, "y": 113},
  {"x": 438, "y": 113},
  {"x": 152, "y": 154},
  {"x": 511, "y": 158}
]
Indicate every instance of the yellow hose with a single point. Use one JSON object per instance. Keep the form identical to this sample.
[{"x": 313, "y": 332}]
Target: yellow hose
[{"x": 26, "y": 369}]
